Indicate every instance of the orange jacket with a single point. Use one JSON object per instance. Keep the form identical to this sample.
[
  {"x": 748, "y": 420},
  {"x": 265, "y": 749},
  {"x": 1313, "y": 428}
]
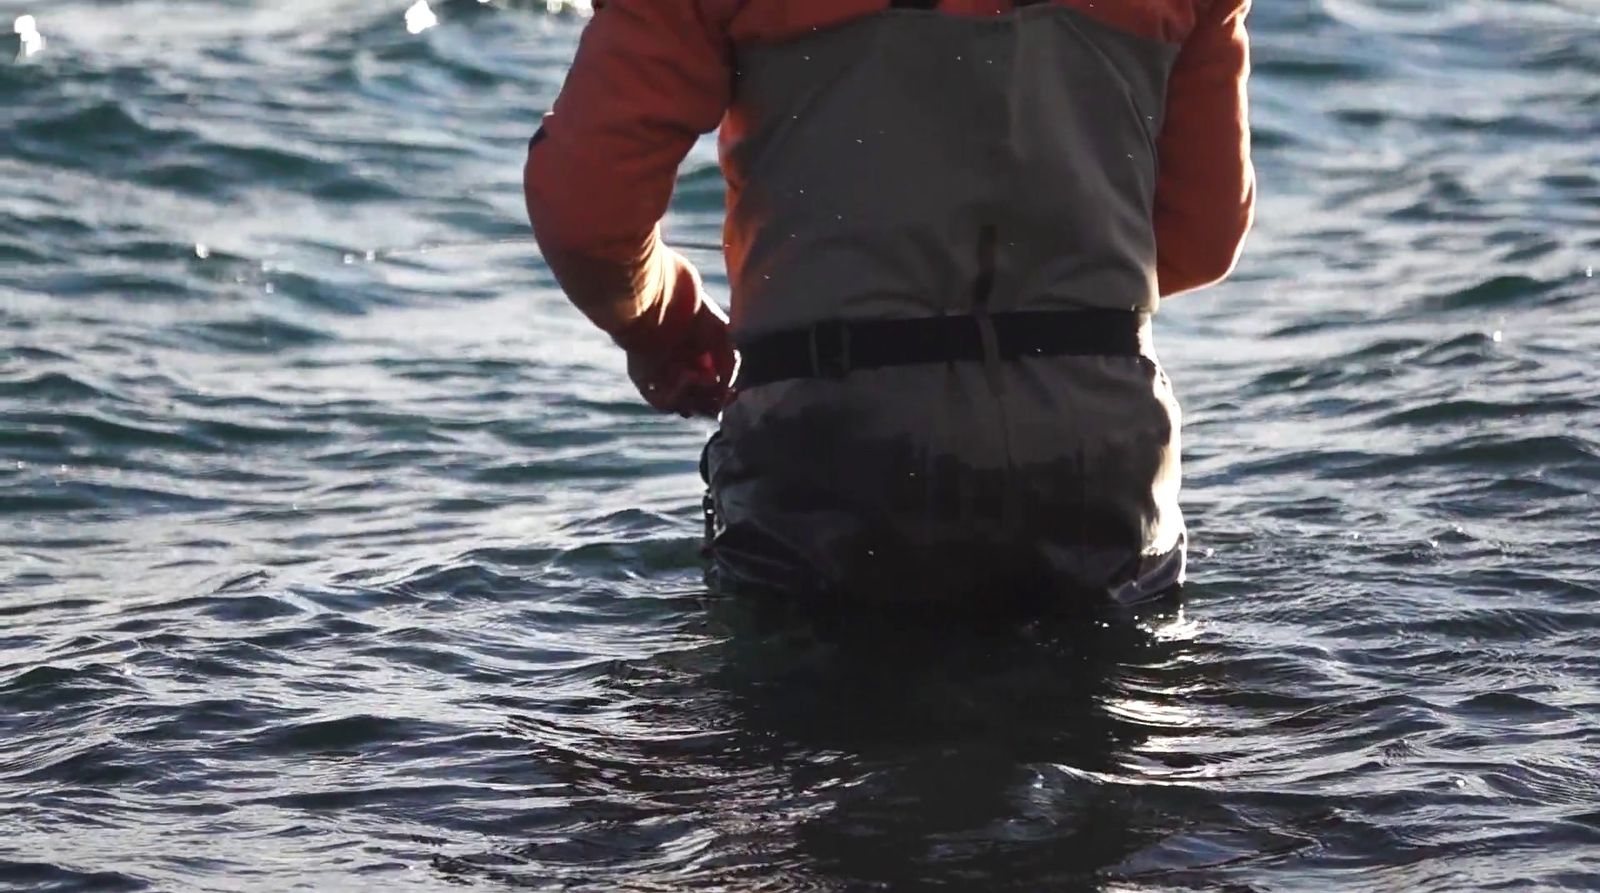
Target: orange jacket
[{"x": 652, "y": 76}]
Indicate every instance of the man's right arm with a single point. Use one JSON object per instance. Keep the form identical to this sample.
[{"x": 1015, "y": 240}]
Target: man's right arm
[{"x": 649, "y": 78}]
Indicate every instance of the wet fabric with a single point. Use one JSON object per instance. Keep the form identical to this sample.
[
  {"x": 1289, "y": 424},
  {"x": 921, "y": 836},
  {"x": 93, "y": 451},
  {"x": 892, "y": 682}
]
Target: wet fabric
[{"x": 913, "y": 484}]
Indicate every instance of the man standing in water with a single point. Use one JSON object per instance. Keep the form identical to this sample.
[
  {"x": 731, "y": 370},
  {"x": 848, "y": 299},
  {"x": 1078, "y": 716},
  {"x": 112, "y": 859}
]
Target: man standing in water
[{"x": 948, "y": 226}]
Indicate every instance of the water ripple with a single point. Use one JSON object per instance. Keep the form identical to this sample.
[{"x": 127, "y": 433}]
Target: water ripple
[{"x": 331, "y": 565}]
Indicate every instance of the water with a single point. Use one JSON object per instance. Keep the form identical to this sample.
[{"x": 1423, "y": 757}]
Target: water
[{"x": 323, "y": 573}]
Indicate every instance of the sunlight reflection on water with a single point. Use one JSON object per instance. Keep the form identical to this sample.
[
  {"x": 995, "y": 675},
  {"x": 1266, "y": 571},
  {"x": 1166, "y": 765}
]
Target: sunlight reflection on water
[
  {"x": 420, "y": 17},
  {"x": 27, "y": 31}
]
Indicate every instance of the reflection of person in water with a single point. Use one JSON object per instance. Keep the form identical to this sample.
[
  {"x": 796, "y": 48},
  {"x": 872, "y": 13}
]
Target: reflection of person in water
[
  {"x": 949, "y": 224},
  {"x": 996, "y": 754},
  {"x": 774, "y": 751}
]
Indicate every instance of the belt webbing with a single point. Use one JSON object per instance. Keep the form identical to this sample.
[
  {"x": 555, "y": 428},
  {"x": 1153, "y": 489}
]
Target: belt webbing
[{"x": 835, "y": 348}]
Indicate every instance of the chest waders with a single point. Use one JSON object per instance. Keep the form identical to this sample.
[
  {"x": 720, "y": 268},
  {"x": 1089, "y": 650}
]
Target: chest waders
[{"x": 948, "y": 387}]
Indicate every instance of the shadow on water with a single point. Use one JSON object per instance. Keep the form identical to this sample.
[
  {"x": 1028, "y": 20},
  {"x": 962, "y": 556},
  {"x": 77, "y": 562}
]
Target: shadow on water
[{"x": 862, "y": 751}]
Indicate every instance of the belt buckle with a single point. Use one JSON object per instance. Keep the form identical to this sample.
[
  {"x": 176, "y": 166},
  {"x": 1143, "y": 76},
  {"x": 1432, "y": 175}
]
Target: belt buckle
[{"x": 830, "y": 349}]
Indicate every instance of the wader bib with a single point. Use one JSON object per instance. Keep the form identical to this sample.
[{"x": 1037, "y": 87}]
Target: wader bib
[{"x": 948, "y": 388}]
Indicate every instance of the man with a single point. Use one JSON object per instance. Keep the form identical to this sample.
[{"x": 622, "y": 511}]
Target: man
[{"x": 948, "y": 226}]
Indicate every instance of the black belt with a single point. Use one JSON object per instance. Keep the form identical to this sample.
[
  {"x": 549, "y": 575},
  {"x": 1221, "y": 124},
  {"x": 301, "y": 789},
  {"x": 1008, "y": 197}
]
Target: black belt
[{"x": 835, "y": 348}]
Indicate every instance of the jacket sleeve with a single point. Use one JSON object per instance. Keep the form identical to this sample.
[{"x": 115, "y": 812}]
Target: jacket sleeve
[
  {"x": 1205, "y": 195},
  {"x": 650, "y": 77}
]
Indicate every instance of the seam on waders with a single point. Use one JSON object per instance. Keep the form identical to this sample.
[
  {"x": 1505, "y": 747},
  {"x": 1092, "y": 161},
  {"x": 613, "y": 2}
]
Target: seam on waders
[
  {"x": 994, "y": 373},
  {"x": 1006, "y": 182}
]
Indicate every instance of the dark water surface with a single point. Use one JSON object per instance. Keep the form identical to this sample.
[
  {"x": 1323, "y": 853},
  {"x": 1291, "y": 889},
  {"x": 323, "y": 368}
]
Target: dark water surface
[{"x": 326, "y": 573}]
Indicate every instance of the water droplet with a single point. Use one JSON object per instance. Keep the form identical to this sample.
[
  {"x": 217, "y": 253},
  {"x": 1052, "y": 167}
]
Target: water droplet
[
  {"x": 1498, "y": 336},
  {"x": 349, "y": 258},
  {"x": 271, "y": 289},
  {"x": 372, "y": 256},
  {"x": 201, "y": 251},
  {"x": 420, "y": 17}
]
